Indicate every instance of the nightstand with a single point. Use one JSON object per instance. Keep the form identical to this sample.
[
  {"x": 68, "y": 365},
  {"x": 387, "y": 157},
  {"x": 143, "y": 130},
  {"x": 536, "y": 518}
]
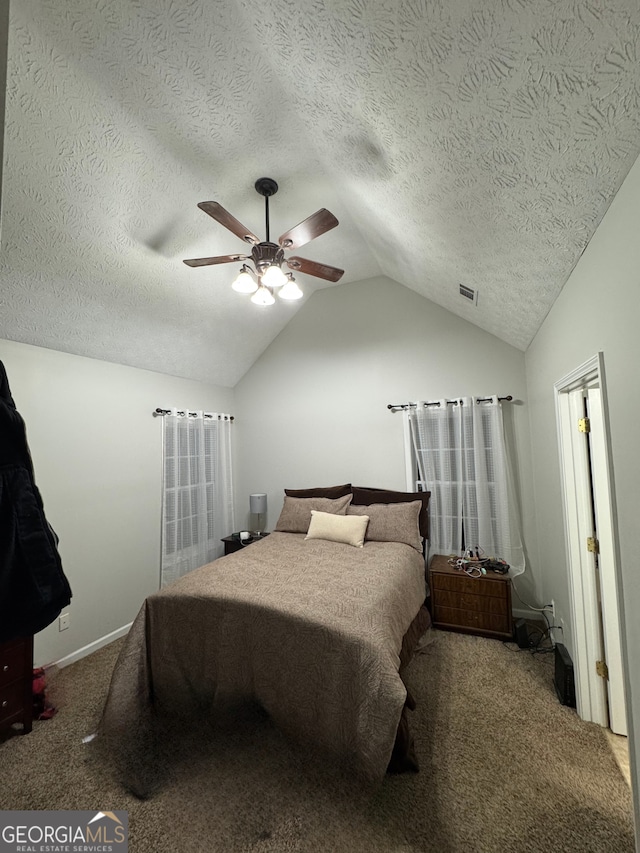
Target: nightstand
[
  {"x": 232, "y": 543},
  {"x": 16, "y": 683},
  {"x": 470, "y": 605}
]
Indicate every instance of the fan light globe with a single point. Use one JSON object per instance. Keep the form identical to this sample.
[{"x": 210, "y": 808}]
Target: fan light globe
[
  {"x": 244, "y": 282},
  {"x": 274, "y": 277},
  {"x": 263, "y": 296},
  {"x": 290, "y": 290}
]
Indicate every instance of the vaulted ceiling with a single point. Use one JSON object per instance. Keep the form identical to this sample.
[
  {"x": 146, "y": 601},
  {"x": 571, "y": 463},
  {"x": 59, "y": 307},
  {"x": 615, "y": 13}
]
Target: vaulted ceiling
[{"x": 476, "y": 142}]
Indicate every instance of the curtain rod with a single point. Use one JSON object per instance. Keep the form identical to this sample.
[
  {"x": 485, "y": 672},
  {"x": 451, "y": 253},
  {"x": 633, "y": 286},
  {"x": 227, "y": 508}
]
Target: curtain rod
[
  {"x": 159, "y": 412},
  {"x": 396, "y": 407}
]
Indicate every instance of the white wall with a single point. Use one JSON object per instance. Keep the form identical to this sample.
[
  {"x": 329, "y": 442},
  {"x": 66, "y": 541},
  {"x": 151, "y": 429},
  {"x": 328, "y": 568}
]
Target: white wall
[
  {"x": 313, "y": 409},
  {"x": 97, "y": 457},
  {"x": 598, "y": 309}
]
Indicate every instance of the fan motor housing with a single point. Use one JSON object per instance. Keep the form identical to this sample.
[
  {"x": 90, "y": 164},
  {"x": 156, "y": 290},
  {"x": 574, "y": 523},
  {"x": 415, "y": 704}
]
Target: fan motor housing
[{"x": 266, "y": 254}]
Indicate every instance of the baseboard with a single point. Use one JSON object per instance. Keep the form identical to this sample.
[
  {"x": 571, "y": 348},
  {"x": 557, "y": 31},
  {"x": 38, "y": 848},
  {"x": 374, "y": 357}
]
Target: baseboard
[{"x": 92, "y": 647}]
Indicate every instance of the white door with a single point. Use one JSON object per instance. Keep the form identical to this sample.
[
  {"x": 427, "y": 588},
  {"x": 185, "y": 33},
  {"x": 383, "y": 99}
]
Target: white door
[
  {"x": 587, "y": 633},
  {"x": 590, "y": 519},
  {"x": 606, "y": 574}
]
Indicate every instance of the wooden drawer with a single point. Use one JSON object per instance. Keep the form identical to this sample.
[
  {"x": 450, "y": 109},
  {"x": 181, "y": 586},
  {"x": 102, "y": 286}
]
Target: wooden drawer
[
  {"x": 466, "y": 601},
  {"x": 491, "y": 623},
  {"x": 11, "y": 702},
  {"x": 12, "y": 662},
  {"x": 16, "y": 683},
  {"x": 472, "y": 586}
]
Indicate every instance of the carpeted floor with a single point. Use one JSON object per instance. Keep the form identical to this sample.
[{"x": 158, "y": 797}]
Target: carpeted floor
[{"x": 505, "y": 769}]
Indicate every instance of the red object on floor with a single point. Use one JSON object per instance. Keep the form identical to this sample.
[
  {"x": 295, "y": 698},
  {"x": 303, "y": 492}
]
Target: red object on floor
[{"x": 42, "y": 710}]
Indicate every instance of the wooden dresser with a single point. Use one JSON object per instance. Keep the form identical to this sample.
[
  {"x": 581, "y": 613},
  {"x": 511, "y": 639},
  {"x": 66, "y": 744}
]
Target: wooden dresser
[
  {"x": 16, "y": 680},
  {"x": 471, "y": 605}
]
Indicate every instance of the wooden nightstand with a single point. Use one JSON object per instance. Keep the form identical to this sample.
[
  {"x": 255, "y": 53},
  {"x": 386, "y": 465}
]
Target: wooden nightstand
[
  {"x": 233, "y": 544},
  {"x": 470, "y": 605},
  {"x": 16, "y": 683}
]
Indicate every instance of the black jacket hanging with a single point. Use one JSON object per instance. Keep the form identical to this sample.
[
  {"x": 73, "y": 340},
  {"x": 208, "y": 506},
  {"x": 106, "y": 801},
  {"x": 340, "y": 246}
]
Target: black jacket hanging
[{"x": 33, "y": 587}]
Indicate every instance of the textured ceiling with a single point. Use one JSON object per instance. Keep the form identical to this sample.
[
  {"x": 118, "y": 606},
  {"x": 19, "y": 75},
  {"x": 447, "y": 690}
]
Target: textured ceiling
[{"x": 468, "y": 141}]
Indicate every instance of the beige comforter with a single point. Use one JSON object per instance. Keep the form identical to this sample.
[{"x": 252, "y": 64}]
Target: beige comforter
[{"x": 309, "y": 629}]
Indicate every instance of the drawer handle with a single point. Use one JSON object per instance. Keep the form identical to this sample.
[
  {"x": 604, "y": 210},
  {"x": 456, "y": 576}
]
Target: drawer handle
[{"x": 5, "y": 703}]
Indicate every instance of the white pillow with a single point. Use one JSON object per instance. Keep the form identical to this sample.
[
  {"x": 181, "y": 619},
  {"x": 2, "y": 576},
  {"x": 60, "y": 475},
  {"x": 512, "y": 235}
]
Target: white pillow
[{"x": 348, "y": 529}]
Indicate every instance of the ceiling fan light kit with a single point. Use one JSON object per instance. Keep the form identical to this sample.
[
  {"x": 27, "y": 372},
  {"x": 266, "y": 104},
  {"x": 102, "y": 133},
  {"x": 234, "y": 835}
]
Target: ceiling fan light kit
[
  {"x": 290, "y": 289},
  {"x": 244, "y": 282},
  {"x": 263, "y": 296},
  {"x": 267, "y": 258},
  {"x": 273, "y": 276}
]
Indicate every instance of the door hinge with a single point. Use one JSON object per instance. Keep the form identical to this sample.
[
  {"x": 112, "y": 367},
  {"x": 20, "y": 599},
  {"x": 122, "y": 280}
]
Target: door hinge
[
  {"x": 593, "y": 545},
  {"x": 602, "y": 669},
  {"x": 584, "y": 425}
]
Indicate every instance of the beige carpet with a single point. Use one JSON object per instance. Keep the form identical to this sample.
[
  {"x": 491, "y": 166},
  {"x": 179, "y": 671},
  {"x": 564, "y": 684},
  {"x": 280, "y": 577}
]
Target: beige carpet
[{"x": 504, "y": 768}]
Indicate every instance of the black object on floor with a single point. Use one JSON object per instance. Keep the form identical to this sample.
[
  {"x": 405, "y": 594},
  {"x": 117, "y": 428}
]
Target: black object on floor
[
  {"x": 563, "y": 677},
  {"x": 521, "y": 633}
]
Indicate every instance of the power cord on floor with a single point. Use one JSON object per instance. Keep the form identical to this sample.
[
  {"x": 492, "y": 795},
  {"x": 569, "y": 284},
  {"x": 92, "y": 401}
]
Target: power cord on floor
[
  {"x": 537, "y": 648},
  {"x": 536, "y": 645}
]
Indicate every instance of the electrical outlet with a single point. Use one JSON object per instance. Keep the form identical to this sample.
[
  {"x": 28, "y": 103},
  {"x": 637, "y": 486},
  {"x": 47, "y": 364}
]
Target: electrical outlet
[
  {"x": 552, "y": 608},
  {"x": 63, "y": 621}
]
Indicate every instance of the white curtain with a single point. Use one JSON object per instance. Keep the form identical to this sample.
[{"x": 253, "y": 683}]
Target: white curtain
[
  {"x": 197, "y": 508},
  {"x": 462, "y": 458}
]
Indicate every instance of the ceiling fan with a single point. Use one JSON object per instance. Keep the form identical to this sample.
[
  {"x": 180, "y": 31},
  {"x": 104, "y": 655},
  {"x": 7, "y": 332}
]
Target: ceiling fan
[{"x": 267, "y": 257}]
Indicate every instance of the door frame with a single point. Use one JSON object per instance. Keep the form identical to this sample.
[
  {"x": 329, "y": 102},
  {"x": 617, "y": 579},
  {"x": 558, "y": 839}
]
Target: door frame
[{"x": 591, "y": 691}]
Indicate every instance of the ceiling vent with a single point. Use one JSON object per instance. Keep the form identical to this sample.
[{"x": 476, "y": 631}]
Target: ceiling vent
[{"x": 469, "y": 294}]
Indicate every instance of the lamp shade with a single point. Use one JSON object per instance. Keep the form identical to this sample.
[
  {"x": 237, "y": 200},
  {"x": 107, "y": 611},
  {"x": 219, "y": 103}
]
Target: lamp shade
[
  {"x": 258, "y": 504},
  {"x": 290, "y": 290},
  {"x": 273, "y": 276},
  {"x": 263, "y": 296},
  {"x": 244, "y": 283}
]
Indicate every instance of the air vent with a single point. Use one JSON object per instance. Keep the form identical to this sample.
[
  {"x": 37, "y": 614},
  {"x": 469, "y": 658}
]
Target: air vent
[{"x": 468, "y": 293}]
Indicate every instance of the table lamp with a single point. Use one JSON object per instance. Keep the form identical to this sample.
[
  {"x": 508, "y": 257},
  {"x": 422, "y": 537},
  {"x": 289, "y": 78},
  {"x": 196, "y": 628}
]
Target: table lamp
[{"x": 258, "y": 509}]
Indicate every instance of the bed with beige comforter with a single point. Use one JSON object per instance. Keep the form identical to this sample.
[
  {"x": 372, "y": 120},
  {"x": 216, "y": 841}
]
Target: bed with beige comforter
[{"x": 312, "y": 630}]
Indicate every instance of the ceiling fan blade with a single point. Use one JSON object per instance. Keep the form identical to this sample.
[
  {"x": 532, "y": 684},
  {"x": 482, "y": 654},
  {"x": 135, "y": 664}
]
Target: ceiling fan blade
[
  {"x": 313, "y": 226},
  {"x": 314, "y": 268},
  {"x": 221, "y": 259},
  {"x": 217, "y": 212}
]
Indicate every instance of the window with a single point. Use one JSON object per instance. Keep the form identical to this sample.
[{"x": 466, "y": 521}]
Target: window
[
  {"x": 197, "y": 490},
  {"x": 461, "y": 457}
]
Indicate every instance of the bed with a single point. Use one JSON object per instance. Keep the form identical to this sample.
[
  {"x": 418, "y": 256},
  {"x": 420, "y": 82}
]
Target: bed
[{"x": 315, "y": 622}]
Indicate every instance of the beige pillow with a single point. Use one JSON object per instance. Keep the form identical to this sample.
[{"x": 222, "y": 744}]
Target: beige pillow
[
  {"x": 349, "y": 530},
  {"x": 296, "y": 512},
  {"x": 392, "y": 522}
]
